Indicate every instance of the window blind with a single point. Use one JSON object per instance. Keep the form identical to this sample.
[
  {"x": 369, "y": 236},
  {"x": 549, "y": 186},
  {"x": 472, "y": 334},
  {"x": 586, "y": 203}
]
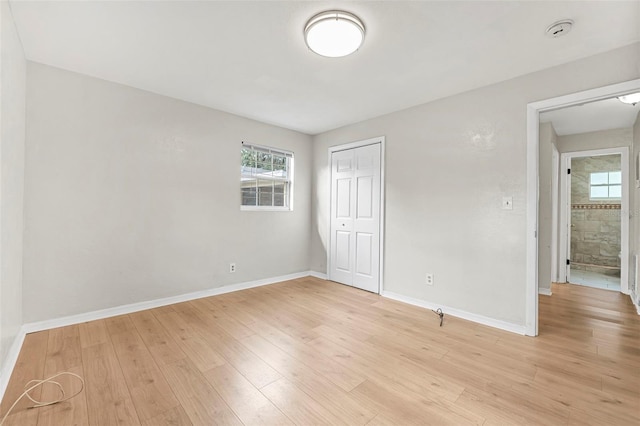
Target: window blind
[{"x": 267, "y": 150}]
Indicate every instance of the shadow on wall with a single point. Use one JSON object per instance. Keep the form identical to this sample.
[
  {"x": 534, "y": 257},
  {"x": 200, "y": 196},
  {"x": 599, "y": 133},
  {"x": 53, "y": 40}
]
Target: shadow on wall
[{"x": 322, "y": 216}]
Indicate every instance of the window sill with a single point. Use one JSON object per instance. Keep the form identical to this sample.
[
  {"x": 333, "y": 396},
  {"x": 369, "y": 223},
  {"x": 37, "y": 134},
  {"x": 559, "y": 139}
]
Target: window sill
[{"x": 265, "y": 209}]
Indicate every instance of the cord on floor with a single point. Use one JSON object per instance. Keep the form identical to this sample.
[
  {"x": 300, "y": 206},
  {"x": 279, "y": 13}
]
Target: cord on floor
[
  {"x": 32, "y": 384},
  {"x": 438, "y": 312}
]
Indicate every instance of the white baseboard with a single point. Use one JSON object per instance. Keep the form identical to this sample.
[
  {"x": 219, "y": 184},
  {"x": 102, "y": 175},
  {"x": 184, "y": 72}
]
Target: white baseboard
[
  {"x": 319, "y": 275},
  {"x": 635, "y": 299},
  {"x": 502, "y": 325},
  {"x": 10, "y": 361},
  {"x": 544, "y": 291},
  {"x": 14, "y": 351},
  {"x": 142, "y": 306}
]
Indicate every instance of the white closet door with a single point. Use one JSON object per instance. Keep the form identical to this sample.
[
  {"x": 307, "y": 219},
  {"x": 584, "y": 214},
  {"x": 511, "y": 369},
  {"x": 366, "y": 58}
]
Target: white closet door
[{"x": 355, "y": 217}]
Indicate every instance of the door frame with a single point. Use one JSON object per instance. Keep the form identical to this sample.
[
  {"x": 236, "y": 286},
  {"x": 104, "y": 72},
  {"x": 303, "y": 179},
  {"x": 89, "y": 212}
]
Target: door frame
[
  {"x": 533, "y": 171},
  {"x": 565, "y": 221},
  {"x": 555, "y": 182},
  {"x": 372, "y": 141}
]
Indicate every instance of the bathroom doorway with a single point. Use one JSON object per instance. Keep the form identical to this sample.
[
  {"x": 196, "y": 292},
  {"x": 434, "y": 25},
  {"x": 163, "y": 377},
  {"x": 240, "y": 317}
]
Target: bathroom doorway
[
  {"x": 573, "y": 117},
  {"x": 594, "y": 221},
  {"x": 594, "y": 218},
  {"x": 593, "y": 228}
]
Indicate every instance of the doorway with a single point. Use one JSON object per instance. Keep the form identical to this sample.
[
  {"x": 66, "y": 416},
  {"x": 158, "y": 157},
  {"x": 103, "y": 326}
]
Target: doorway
[
  {"x": 355, "y": 239},
  {"x": 595, "y": 199},
  {"x": 534, "y": 110}
]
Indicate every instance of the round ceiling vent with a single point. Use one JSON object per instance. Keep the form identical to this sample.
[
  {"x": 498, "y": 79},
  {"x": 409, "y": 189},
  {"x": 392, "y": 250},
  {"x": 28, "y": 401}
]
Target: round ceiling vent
[{"x": 560, "y": 28}]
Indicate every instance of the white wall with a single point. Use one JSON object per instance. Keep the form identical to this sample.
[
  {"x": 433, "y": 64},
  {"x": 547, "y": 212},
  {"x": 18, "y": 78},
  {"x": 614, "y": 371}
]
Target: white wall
[
  {"x": 448, "y": 165},
  {"x": 547, "y": 139},
  {"x": 603, "y": 139},
  {"x": 12, "y": 140},
  {"x": 635, "y": 220},
  {"x": 132, "y": 196}
]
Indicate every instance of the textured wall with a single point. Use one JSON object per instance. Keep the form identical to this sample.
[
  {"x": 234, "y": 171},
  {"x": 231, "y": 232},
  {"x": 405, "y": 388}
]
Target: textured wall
[
  {"x": 547, "y": 139},
  {"x": 635, "y": 222},
  {"x": 595, "y": 230},
  {"x": 131, "y": 196},
  {"x": 603, "y": 139},
  {"x": 448, "y": 165},
  {"x": 12, "y": 147}
]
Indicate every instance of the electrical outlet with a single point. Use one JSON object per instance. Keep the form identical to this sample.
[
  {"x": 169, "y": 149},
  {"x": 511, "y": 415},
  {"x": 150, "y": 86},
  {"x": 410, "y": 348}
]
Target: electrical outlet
[
  {"x": 429, "y": 279},
  {"x": 232, "y": 267}
]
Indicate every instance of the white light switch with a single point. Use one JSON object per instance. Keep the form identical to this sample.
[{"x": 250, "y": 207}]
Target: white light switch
[{"x": 507, "y": 203}]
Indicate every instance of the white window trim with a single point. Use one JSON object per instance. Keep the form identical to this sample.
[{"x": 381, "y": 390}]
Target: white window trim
[
  {"x": 608, "y": 185},
  {"x": 291, "y": 180},
  {"x": 265, "y": 208}
]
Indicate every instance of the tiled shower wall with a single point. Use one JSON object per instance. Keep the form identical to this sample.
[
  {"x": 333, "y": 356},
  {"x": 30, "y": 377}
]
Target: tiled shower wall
[{"x": 595, "y": 224}]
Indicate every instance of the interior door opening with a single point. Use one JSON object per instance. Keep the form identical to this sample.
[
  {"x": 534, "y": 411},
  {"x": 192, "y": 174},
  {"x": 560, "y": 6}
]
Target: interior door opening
[
  {"x": 594, "y": 251},
  {"x": 538, "y": 265},
  {"x": 593, "y": 236}
]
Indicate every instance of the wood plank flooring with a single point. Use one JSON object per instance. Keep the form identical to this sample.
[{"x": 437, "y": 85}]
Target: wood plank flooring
[{"x": 310, "y": 351}]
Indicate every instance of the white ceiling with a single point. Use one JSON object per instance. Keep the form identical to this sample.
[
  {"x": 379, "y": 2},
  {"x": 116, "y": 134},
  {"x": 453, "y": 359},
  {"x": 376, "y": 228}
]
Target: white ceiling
[
  {"x": 249, "y": 58},
  {"x": 592, "y": 117}
]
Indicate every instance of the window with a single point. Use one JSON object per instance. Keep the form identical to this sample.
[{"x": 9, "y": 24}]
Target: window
[
  {"x": 605, "y": 185},
  {"x": 266, "y": 178}
]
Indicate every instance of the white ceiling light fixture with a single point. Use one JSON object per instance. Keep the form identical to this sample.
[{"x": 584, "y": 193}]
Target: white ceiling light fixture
[
  {"x": 334, "y": 33},
  {"x": 630, "y": 99}
]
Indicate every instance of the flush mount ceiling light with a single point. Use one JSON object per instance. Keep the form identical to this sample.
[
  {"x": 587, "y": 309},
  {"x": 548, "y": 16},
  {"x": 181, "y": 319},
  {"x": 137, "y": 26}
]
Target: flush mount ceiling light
[
  {"x": 334, "y": 33},
  {"x": 631, "y": 98}
]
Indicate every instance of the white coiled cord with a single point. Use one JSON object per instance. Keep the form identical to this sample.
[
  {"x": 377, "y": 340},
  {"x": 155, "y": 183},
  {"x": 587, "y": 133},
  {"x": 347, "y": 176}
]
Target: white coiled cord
[{"x": 32, "y": 384}]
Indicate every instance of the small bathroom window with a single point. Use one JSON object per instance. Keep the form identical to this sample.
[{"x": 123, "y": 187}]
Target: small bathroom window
[{"x": 605, "y": 185}]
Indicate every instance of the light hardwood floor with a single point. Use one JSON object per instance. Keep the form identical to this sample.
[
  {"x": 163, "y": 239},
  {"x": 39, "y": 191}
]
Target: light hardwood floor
[{"x": 314, "y": 352}]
